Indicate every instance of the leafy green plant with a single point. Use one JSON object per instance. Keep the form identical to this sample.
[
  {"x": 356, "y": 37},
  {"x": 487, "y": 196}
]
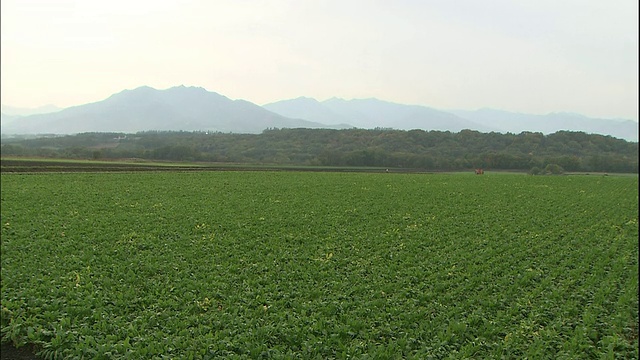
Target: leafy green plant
[{"x": 209, "y": 265}]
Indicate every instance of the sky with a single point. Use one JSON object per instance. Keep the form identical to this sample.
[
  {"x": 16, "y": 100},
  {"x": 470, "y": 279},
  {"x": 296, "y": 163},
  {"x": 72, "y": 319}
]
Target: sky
[{"x": 527, "y": 56}]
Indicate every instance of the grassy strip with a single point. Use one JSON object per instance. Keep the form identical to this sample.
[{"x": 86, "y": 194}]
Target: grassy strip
[{"x": 17, "y": 164}]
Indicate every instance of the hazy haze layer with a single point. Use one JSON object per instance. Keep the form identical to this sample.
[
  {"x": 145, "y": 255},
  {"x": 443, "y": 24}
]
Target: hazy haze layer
[{"x": 536, "y": 56}]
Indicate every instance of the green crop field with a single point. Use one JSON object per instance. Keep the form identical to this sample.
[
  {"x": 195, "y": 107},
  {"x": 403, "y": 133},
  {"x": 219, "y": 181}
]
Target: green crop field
[{"x": 317, "y": 265}]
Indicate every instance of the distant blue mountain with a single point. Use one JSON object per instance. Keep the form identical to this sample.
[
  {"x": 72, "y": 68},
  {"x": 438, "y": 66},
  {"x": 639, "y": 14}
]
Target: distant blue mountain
[
  {"x": 373, "y": 113},
  {"x": 145, "y": 108},
  {"x": 516, "y": 123},
  {"x": 196, "y": 109}
]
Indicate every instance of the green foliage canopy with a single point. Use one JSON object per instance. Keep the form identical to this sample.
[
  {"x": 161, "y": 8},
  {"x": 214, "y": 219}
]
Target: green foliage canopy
[{"x": 418, "y": 149}]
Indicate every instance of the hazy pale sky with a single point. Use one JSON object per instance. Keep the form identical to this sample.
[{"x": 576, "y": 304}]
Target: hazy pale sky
[{"x": 531, "y": 56}]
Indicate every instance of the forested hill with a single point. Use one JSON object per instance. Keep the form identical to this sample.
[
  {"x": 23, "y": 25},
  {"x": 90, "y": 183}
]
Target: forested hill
[{"x": 428, "y": 150}]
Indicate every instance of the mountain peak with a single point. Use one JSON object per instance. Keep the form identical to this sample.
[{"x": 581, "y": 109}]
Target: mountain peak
[
  {"x": 142, "y": 88},
  {"x": 193, "y": 88},
  {"x": 139, "y": 90},
  {"x": 179, "y": 108}
]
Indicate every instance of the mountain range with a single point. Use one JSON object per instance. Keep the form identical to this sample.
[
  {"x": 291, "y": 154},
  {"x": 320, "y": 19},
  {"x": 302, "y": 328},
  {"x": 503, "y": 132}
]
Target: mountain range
[
  {"x": 371, "y": 113},
  {"x": 196, "y": 109},
  {"x": 145, "y": 108}
]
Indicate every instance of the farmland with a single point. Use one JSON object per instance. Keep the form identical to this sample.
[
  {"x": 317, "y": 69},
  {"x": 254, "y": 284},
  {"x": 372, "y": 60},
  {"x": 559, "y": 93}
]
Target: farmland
[{"x": 266, "y": 264}]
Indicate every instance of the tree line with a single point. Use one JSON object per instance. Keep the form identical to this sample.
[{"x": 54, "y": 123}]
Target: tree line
[{"x": 419, "y": 149}]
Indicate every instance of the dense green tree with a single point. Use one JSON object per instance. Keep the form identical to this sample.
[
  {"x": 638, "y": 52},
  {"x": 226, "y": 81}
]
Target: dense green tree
[
  {"x": 420, "y": 149},
  {"x": 535, "y": 171},
  {"x": 553, "y": 169}
]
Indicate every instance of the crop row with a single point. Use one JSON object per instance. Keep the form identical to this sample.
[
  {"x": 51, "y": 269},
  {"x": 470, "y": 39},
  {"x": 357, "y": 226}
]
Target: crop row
[{"x": 320, "y": 265}]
